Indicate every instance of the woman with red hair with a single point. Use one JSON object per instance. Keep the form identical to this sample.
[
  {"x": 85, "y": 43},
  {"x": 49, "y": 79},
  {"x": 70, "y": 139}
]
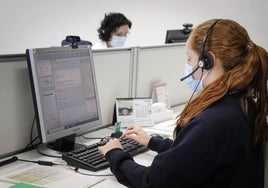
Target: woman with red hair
[{"x": 220, "y": 134}]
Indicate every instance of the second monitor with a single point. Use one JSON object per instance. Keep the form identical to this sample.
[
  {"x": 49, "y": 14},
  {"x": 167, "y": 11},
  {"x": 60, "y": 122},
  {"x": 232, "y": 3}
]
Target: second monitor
[{"x": 178, "y": 35}]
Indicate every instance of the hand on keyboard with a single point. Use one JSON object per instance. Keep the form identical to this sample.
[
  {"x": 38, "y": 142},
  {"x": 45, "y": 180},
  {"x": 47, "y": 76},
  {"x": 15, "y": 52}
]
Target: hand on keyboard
[
  {"x": 111, "y": 144},
  {"x": 89, "y": 158},
  {"x": 136, "y": 133}
]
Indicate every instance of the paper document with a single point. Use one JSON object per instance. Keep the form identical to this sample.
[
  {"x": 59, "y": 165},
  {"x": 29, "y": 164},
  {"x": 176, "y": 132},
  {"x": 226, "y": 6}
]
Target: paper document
[{"x": 52, "y": 177}]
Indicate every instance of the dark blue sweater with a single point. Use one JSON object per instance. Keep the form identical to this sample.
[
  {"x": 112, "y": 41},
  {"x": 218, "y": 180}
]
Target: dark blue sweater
[{"x": 213, "y": 150}]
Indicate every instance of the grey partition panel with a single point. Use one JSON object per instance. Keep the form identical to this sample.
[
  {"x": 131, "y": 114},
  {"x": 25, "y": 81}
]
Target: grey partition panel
[
  {"x": 113, "y": 73},
  {"x": 162, "y": 64},
  {"x": 16, "y": 106},
  {"x": 123, "y": 72}
]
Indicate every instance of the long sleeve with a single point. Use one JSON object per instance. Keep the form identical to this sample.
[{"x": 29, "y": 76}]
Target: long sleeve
[
  {"x": 159, "y": 145},
  {"x": 213, "y": 150},
  {"x": 118, "y": 158},
  {"x": 185, "y": 160}
]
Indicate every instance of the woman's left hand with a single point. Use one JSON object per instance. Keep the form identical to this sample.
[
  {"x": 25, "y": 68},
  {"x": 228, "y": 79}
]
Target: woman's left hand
[{"x": 111, "y": 144}]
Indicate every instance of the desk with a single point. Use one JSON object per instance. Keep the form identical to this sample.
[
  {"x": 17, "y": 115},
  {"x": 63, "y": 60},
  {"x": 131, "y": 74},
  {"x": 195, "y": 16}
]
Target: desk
[{"x": 65, "y": 176}]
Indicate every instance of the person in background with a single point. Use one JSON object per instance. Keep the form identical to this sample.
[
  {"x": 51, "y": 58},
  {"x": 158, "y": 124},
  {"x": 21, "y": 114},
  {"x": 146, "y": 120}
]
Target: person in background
[
  {"x": 219, "y": 136},
  {"x": 113, "y": 31}
]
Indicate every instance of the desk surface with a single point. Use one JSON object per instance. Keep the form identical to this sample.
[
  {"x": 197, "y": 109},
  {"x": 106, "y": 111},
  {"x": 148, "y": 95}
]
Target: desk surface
[{"x": 65, "y": 176}]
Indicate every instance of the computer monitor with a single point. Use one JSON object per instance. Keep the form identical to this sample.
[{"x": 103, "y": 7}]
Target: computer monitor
[
  {"x": 178, "y": 35},
  {"x": 65, "y": 96}
]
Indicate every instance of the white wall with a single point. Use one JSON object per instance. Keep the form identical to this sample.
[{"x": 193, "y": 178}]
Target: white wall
[{"x": 36, "y": 23}]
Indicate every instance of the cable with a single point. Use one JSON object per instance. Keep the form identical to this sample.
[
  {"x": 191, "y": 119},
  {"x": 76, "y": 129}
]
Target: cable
[
  {"x": 49, "y": 163},
  {"x": 7, "y": 161},
  {"x": 202, "y": 73},
  {"x": 40, "y": 162},
  {"x": 190, "y": 99},
  {"x": 31, "y": 136},
  {"x": 76, "y": 169},
  {"x": 31, "y": 145},
  {"x": 15, "y": 158}
]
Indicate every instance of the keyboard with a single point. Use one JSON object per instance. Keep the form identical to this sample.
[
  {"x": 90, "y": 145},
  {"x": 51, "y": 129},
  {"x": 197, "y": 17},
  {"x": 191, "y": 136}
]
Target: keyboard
[{"x": 89, "y": 158}]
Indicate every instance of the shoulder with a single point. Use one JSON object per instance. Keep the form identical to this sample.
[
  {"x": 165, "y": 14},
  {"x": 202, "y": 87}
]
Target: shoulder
[
  {"x": 225, "y": 111},
  {"x": 222, "y": 121}
]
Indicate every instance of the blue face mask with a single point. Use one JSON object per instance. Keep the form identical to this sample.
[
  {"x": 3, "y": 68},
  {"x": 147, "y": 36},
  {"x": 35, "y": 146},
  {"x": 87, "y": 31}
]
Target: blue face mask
[
  {"x": 117, "y": 41},
  {"x": 195, "y": 85}
]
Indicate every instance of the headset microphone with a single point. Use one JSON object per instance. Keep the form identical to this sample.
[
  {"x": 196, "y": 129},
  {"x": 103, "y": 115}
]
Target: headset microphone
[{"x": 183, "y": 78}]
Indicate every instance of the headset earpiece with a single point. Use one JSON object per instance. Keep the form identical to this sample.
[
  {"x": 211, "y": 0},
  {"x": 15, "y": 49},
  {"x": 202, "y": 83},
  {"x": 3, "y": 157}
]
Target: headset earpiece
[{"x": 206, "y": 62}]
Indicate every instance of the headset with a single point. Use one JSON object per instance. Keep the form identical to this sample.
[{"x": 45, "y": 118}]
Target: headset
[{"x": 205, "y": 59}]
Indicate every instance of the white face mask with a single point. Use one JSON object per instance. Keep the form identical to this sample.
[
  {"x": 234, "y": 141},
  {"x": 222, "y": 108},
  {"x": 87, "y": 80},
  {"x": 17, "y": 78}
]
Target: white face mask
[
  {"x": 117, "y": 41},
  {"x": 195, "y": 85}
]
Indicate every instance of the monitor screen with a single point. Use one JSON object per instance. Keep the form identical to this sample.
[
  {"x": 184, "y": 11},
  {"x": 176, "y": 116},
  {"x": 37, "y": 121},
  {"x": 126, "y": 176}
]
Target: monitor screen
[
  {"x": 65, "y": 95},
  {"x": 176, "y": 36}
]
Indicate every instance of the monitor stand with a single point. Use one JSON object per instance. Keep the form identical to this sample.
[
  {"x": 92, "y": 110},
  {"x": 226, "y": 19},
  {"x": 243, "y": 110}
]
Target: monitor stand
[{"x": 59, "y": 146}]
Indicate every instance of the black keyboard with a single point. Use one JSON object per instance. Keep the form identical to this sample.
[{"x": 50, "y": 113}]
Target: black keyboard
[{"x": 89, "y": 158}]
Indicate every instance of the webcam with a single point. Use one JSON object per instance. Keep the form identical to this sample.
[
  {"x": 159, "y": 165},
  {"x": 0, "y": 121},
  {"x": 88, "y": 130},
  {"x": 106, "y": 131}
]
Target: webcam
[
  {"x": 187, "y": 28},
  {"x": 72, "y": 38}
]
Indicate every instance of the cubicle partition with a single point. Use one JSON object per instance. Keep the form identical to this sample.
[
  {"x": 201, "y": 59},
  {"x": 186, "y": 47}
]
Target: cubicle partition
[
  {"x": 16, "y": 106},
  {"x": 162, "y": 64},
  {"x": 122, "y": 72},
  {"x": 114, "y": 78}
]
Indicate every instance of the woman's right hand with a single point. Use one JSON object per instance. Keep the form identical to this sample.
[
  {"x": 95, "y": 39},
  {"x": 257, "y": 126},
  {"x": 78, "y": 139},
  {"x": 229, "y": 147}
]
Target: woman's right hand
[{"x": 136, "y": 133}]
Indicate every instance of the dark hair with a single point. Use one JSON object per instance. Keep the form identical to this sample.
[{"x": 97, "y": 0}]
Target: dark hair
[
  {"x": 246, "y": 70},
  {"x": 110, "y": 23}
]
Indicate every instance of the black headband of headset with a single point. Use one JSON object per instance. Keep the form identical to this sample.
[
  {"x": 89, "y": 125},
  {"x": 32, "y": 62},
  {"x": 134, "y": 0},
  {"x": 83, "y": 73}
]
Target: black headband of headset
[{"x": 203, "y": 44}]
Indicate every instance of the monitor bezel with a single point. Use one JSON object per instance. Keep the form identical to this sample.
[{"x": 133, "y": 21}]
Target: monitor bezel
[
  {"x": 77, "y": 130},
  {"x": 176, "y": 36}
]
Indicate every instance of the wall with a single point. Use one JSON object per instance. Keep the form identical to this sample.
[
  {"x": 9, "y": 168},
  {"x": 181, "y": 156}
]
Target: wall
[{"x": 33, "y": 23}]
